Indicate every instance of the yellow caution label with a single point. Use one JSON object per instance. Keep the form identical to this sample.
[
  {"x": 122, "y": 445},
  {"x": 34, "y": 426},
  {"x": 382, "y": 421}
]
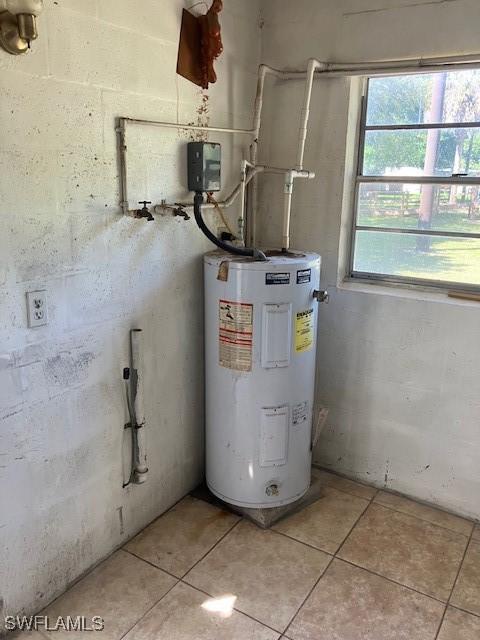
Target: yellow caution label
[{"x": 304, "y": 331}]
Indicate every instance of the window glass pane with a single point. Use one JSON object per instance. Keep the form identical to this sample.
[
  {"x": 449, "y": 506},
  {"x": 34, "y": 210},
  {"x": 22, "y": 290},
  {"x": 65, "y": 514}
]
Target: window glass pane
[
  {"x": 408, "y": 99},
  {"x": 415, "y": 206},
  {"x": 418, "y": 256},
  {"x": 430, "y": 152}
]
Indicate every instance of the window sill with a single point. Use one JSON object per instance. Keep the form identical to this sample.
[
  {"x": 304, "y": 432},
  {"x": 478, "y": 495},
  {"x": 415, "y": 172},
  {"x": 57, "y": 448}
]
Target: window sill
[{"x": 405, "y": 291}]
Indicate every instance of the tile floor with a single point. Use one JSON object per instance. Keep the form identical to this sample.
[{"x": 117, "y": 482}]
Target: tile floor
[{"x": 356, "y": 565}]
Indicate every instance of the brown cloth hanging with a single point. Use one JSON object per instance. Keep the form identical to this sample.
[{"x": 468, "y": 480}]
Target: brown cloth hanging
[{"x": 200, "y": 45}]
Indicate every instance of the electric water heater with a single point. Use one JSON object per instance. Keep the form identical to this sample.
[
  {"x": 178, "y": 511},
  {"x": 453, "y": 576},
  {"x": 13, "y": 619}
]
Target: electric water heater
[{"x": 260, "y": 343}]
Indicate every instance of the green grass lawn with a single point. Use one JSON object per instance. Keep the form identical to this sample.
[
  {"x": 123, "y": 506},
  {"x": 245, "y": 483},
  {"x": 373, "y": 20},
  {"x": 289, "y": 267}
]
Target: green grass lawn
[{"x": 451, "y": 260}]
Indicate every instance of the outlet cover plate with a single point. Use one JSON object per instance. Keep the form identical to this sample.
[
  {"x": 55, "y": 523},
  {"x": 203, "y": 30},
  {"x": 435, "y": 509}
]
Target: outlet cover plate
[{"x": 37, "y": 309}]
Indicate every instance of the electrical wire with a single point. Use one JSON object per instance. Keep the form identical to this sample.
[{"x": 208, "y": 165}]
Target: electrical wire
[
  {"x": 220, "y": 212},
  {"x": 230, "y": 248}
]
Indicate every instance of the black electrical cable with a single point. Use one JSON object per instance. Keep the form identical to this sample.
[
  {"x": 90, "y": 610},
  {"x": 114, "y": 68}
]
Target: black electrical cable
[{"x": 238, "y": 251}]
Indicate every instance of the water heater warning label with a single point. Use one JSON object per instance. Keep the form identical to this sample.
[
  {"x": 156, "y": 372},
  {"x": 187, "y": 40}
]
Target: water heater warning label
[
  {"x": 299, "y": 413},
  {"x": 304, "y": 331},
  {"x": 235, "y": 335}
]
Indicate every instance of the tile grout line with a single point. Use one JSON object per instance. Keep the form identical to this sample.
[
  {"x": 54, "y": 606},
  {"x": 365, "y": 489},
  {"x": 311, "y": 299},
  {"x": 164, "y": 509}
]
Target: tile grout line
[
  {"x": 184, "y": 577},
  {"x": 370, "y": 571},
  {"x": 399, "y": 584},
  {"x": 454, "y": 606},
  {"x": 178, "y": 580},
  {"x": 122, "y": 547},
  {"x": 455, "y": 583},
  {"x": 334, "y": 556},
  {"x": 327, "y": 567},
  {"x": 441, "y": 526},
  {"x": 240, "y": 519},
  {"x": 248, "y": 615},
  {"x": 311, "y": 546},
  {"x": 307, "y": 596},
  {"x": 147, "y": 612},
  {"x": 427, "y": 505},
  {"x": 152, "y": 564},
  {"x": 349, "y": 493},
  {"x": 370, "y": 502},
  {"x": 305, "y": 544},
  {"x": 379, "y": 575}
]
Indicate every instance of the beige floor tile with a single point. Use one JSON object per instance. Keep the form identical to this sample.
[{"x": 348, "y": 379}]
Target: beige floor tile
[
  {"x": 343, "y": 484},
  {"x": 183, "y": 535},
  {"x": 408, "y": 550},
  {"x": 187, "y": 614},
  {"x": 459, "y": 626},
  {"x": 269, "y": 574},
  {"x": 476, "y": 533},
  {"x": 352, "y": 604},
  {"x": 327, "y": 522},
  {"x": 120, "y": 591},
  {"x": 424, "y": 512},
  {"x": 466, "y": 594}
]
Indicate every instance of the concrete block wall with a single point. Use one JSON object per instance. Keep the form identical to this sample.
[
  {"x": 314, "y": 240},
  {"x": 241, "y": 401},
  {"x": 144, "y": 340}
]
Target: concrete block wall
[
  {"x": 63, "y": 452},
  {"x": 399, "y": 370}
]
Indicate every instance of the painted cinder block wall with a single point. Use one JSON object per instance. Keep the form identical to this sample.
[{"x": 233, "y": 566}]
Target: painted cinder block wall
[
  {"x": 63, "y": 453},
  {"x": 399, "y": 371}
]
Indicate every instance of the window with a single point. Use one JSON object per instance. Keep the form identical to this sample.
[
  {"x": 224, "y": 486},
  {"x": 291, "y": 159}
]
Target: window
[{"x": 417, "y": 211}]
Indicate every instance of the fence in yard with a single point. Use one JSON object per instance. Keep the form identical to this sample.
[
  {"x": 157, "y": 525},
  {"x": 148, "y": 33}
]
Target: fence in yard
[{"x": 380, "y": 202}]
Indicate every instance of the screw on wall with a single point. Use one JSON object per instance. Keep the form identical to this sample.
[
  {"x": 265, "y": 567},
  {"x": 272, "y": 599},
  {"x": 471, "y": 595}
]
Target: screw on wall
[{"x": 37, "y": 309}]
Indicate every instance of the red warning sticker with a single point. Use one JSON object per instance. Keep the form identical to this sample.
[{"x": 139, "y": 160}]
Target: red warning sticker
[{"x": 235, "y": 335}]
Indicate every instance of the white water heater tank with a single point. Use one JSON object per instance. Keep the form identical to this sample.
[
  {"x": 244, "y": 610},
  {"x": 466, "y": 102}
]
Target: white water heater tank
[{"x": 260, "y": 343}]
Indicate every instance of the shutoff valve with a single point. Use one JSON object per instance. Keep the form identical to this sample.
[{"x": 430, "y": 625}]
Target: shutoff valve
[{"x": 18, "y": 24}]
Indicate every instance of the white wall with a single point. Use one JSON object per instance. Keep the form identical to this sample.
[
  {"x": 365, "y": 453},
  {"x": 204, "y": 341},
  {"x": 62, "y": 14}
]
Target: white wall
[
  {"x": 400, "y": 372},
  {"x": 62, "y": 406}
]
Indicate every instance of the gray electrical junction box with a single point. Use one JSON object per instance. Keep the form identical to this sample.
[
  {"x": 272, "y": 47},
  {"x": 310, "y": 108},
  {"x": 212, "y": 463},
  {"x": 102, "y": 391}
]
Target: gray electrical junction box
[{"x": 204, "y": 166}]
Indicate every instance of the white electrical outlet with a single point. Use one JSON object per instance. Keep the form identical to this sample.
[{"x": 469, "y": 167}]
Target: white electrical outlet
[{"x": 37, "y": 308}]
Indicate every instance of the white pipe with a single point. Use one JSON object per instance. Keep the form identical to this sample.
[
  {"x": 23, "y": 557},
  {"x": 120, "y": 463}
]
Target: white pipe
[
  {"x": 384, "y": 67},
  {"x": 380, "y": 66},
  {"x": 290, "y": 176},
  {"x": 257, "y": 115},
  {"x": 188, "y": 127},
  {"x": 414, "y": 63},
  {"x": 263, "y": 70},
  {"x": 287, "y": 209},
  {"x": 257, "y": 119},
  {"x": 313, "y": 65},
  {"x": 302, "y": 134},
  {"x": 140, "y": 468},
  {"x": 243, "y": 193},
  {"x": 397, "y": 70},
  {"x": 188, "y": 206}
]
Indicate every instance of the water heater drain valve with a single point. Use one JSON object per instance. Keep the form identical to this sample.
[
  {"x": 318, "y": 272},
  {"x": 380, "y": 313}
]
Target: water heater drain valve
[
  {"x": 272, "y": 490},
  {"x": 321, "y": 296}
]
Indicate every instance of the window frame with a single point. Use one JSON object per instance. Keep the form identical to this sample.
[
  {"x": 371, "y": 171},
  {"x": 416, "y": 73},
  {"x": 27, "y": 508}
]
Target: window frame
[{"x": 360, "y": 178}]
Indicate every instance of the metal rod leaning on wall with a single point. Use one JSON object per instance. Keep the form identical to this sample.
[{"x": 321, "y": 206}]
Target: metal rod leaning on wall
[{"x": 139, "y": 457}]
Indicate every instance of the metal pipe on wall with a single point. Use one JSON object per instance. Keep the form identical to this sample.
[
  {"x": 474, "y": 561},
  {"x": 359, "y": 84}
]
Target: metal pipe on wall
[{"x": 140, "y": 469}]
